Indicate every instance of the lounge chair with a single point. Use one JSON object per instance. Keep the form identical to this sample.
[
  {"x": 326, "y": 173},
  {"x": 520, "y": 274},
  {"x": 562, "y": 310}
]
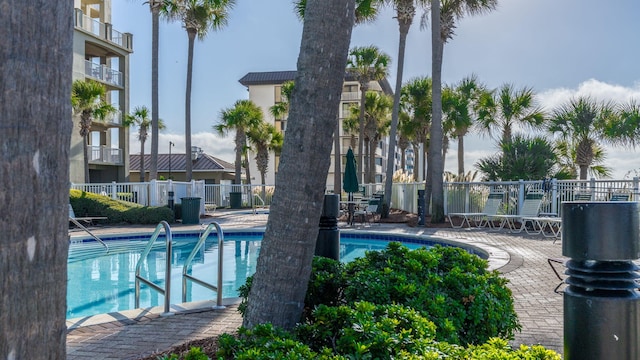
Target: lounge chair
[
  {"x": 529, "y": 211},
  {"x": 86, "y": 219},
  {"x": 480, "y": 219},
  {"x": 619, "y": 197}
]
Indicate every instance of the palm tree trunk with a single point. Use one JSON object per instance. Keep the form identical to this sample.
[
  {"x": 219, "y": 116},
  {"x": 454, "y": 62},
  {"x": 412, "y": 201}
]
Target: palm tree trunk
[
  {"x": 141, "y": 161},
  {"x": 337, "y": 159},
  {"x": 238, "y": 163},
  {"x": 437, "y": 165},
  {"x": 284, "y": 266},
  {"x": 367, "y": 163},
  {"x": 461, "y": 155},
  {"x": 363, "y": 90},
  {"x": 35, "y": 177},
  {"x": 395, "y": 113},
  {"x": 187, "y": 107},
  {"x": 155, "y": 34},
  {"x": 85, "y": 152},
  {"x": 372, "y": 161}
]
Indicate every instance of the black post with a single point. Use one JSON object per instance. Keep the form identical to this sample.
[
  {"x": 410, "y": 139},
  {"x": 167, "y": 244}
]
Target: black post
[
  {"x": 601, "y": 303},
  {"x": 328, "y": 241},
  {"x": 421, "y": 207},
  {"x": 170, "y": 146}
]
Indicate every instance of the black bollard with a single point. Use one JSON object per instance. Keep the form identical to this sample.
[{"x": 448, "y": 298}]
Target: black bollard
[
  {"x": 601, "y": 302},
  {"x": 170, "y": 200},
  {"x": 328, "y": 241},
  {"x": 421, "y": 207}
]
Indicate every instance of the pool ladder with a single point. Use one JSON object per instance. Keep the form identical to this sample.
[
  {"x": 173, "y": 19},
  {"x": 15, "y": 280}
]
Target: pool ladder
[
  {"x": 82, "y": 227},
  {"x": 166, "y": 291}
]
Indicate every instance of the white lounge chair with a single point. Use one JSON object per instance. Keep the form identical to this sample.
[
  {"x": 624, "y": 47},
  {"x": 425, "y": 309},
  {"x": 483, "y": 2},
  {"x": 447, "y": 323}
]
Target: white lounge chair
[
  {"x": 480, "y": 219},
  {"x": 529, "y": 211}
]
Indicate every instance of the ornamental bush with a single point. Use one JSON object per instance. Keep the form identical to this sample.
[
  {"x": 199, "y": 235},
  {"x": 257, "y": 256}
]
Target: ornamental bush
[{"x": 116, "y": 211}]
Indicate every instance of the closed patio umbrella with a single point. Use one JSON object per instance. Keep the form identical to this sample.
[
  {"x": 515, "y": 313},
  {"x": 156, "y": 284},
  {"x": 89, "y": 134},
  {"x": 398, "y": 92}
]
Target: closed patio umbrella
[{"x": 350, "y": 181}]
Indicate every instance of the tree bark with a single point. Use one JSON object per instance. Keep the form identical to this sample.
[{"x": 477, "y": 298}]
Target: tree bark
[
  {"x": 282, "y": 273},
  {"x": 461, "y": 156},
  {"x": 35, "y": 136},
  {"x": 155, "y": 125},
  {"x": 141, "y": 161},
  {"x": 437, "y": 133},
  {"x": 337, "y": 162},
  {"x": 187, "y": 107},
  {"x": 364, "y": 86}
]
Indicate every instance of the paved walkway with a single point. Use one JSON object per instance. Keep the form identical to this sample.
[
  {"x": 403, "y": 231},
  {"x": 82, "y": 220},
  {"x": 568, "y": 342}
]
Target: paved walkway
[{"x": 134, "y": 334}]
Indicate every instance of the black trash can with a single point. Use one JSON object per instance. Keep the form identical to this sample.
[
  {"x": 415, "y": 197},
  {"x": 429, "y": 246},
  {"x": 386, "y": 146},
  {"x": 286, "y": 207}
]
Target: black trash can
[
  {"x": 235, "y": 200},
  {"x": 190, "y": 210}
]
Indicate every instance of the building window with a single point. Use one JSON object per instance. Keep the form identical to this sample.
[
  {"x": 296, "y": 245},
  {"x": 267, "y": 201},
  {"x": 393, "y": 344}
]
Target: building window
[
  {"x": 379, "y": 161},
  {"x": 346, "y": 108},
  {"x": 277, "y": 94},
  {"x": 350, "y": 88}
]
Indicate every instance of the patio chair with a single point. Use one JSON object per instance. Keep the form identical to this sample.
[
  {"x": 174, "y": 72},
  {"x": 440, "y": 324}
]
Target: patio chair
[
  {"x": 619, "y": 197},
  {"x": 86, "y": 219},
  {"x": 366, "y": 211},
  {"x": 480, "y": 219},
  {"x": 530, "y": 210}
]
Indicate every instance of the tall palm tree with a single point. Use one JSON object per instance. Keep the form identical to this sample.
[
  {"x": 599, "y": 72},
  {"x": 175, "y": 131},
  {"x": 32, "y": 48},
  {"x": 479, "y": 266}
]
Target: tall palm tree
[
  {"x": 265, "y": 138},
  {"x": 35, "y": 68},
  {"x": 584, "y": 124},
  {"x": 508, "y": 107},
  {"x": 140, "y": 118},
  {"x": 566, "y": 157},
  {"x": 87, "y": 99},
  {"x": 377, "y": 113},
  {"x": 416, "y": 102},
  {"x": 368, "y": 64},
  {"x": 461, "y": 107},
  {"x": 284, "y": 266},
  {"x": 197, "y": 17},
  {"x": 405, "y": 11},
  {"x": 154, "y": 6},
  {"x": 241, "y": 118},
  {"x": 444, "y": 14}
]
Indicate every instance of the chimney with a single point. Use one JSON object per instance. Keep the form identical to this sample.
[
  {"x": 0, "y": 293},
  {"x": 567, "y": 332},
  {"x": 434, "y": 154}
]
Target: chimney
[{"x": 195, "y": 152}]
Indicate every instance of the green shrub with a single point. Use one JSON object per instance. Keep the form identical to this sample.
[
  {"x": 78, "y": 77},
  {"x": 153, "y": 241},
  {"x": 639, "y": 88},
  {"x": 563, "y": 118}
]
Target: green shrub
[
  {"x": 448, "y": 285},
  {"x": 116, "y": 211}
]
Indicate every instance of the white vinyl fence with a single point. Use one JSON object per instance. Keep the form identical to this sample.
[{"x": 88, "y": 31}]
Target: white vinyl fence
[{"x": 458, "y": 196}]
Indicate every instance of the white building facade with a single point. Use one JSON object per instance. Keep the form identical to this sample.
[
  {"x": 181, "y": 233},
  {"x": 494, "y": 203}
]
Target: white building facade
[{"x": 265, "y": 91}]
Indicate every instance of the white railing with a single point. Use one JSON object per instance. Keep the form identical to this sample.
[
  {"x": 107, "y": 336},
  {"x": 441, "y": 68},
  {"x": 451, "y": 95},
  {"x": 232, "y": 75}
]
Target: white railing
[
  {"x": 350, "y": 96},
  {"x": 103, "y": 30},
  {"x": 105, "y": 155},
  {"x": 103, "y": 73},
  {"x": 458, "y": 196},
  {"x": 114, "y": 118}
]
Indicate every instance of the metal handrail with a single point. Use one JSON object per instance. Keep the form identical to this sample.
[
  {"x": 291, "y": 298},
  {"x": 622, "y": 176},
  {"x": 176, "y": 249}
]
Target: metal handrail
[
  {"x": 89, "y": 232},
  {"x": 167, "y": 277},
  {"x": 187, "y": 264}
]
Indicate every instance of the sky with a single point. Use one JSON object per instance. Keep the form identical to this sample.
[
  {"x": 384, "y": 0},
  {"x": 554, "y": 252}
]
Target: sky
[{"x": 559, "y": 48}]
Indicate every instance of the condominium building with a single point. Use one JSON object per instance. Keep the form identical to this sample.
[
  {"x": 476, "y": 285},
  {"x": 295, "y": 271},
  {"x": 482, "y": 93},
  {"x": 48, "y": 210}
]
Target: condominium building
[
  {"x": 265, "y": 91},
  {"x": 101, "y": 53}
]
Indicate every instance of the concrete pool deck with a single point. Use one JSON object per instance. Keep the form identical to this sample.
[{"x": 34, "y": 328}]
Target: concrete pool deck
[{"x": 521, "y": 258}]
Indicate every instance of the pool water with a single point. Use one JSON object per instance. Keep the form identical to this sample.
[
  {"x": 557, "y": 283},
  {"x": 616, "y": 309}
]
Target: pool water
[{"x": 100, "y": 282}]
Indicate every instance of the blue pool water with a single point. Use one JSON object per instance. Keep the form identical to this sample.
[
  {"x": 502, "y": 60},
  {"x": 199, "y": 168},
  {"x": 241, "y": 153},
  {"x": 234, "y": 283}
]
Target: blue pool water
[{"x": 100, "y": 282}]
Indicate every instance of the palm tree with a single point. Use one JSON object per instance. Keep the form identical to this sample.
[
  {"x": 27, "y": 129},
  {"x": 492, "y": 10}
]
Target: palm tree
[
  {"x": 35, "y": 68},
  {"x": 566, "y": 158},
  {"x": 442, "y": 29},
  {"x": 265, "y": 138},
  {"x": 416, "y": 102},
  {"x": 140, "y": 118},
  {"x": 280, "y": 110},
  {"x": 584, "y": 124},
  {"x": 198, "y": 17},
  {"x": 377, "y": 112},
  {"x": 154, "y": 6},
  {"x": 366, "y": 10},
  {"x": 241, "y": 118},
  {"x": 87, "y": 99},
  {"x": 461, "y": 108},
  {"x": 405, "y": 11},
  {"x": 508, "y": 107},
  {"x": 367, "y": 64},
  {"x": 284, "y": 266}
]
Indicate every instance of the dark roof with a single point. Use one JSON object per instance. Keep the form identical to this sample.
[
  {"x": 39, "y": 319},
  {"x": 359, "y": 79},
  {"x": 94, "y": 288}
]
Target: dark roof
[
  {"x": 280, "y": 77},
  {"x": 204, "y": 162}
]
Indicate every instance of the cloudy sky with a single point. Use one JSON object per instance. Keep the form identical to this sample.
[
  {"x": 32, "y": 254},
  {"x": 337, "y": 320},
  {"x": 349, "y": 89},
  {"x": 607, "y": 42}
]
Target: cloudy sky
[{"x": 560, "y": 48}]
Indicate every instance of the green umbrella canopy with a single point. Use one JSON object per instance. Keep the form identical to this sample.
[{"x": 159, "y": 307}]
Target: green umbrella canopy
[{"x": 350, "y": 181}]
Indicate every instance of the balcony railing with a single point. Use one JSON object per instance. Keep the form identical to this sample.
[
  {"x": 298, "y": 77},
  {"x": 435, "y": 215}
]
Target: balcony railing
[
  {"x": 103, "y": 73},
  {"x": 349, "y": 96},
  {"x": 103, "y": 30},
  {"x": 114, "y": 118},
  {"x": 105, "y": 155}
]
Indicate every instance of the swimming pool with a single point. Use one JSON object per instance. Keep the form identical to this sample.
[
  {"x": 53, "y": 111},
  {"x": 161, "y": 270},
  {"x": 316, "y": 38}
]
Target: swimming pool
[{"x": 101, "y": 282}]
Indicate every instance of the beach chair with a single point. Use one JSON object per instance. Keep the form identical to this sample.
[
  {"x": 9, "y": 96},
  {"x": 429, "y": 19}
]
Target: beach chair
[
  {"x": 529, "y": 211},
  {"x": 619, "y": 197},
  {"x": 86, "y": 219},
  {"x": 480, "y": 219}
]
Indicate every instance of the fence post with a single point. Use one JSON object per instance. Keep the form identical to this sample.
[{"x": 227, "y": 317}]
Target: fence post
[
  {"x": 635, "y": 189},
  {"x": 592, "y": 185},
  {"x": 446, "y": 196},
  {"x": 114, "y": 190},
  {"x": 521, "y": 191},
  {"x": 554, "y": 196},
  {"x": 153, "y": 193}
]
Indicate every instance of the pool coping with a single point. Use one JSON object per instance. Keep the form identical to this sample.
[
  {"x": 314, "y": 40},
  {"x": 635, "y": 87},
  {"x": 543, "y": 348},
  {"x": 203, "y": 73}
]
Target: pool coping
[{"x": 497, "y": 259}]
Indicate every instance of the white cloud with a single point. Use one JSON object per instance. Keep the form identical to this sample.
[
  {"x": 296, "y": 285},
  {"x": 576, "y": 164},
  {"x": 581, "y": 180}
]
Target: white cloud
[{"x": 593, "y": 88}]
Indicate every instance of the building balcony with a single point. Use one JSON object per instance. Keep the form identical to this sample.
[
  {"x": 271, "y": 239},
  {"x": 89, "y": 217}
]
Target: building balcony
[
  {"x": 114, "y": 118},
  {"x": 105, "y": 155},
  {"x": 103, "y": 73},
  {"x": 350, "y": 96},
  {"x": 103, "y": 31}
]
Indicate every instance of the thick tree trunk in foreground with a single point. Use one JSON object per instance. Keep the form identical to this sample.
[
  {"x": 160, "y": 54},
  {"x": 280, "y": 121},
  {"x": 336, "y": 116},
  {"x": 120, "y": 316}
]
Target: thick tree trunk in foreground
[
  {"x": 283, "y": 269},
  {"x": 436, "y": 139},
  {"x": 35, "y": 133}
]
